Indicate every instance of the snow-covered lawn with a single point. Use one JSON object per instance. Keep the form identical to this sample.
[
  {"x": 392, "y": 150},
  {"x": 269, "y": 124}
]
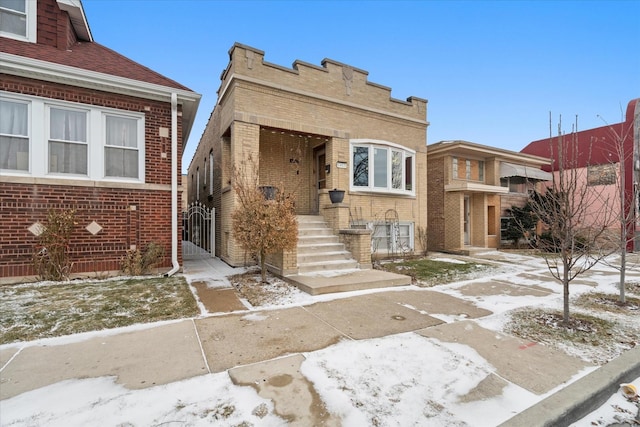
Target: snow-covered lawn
[{"x": 399, "y": 380}]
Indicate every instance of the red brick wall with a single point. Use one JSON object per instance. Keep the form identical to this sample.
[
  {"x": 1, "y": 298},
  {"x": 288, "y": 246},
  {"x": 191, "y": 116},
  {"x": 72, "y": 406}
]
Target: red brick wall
[
  {"x": 22, "y": 205},
  {"x": 22, "y": 202},
  {"x": 54, "y": 26},
  {"x": 157, "y": 114}
]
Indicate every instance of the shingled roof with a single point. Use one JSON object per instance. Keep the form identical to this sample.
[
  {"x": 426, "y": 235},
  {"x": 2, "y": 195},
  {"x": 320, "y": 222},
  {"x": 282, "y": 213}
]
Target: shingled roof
[{"x": 89, "y": 56}]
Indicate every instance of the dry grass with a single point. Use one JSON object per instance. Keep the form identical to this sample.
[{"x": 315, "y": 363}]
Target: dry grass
[
  {"x": 48, "y": 309},
  {"x": 597, "y": 337},
  {"x": 274, "y": 292},
  {"x": 608, "y": 302},
  {"x": 427, "y": 272}
]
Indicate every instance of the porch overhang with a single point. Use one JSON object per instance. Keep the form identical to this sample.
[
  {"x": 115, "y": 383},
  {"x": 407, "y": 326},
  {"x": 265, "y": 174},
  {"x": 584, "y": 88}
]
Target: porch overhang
[
  {"x": 511, "y": 169},
  {"x": 473, "y": 187}
]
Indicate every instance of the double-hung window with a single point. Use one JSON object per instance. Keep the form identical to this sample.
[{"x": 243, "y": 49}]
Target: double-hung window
[
  {"x": 381, "y": 166},
  {"x": 121, "y": 149},
  {"x": 68, "y": 143},
  {"x": 17, "y": 19},
  {"x": 14, "y": 135},
  {"x": 47, "y": 138}
]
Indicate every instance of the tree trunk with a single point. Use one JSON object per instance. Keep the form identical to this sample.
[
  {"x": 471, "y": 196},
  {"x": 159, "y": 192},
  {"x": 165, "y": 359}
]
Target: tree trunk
[
  {"x": 263, "y": 270},
  {"x": 565, "y": 286},
  {"x": 623, "y": 267}
]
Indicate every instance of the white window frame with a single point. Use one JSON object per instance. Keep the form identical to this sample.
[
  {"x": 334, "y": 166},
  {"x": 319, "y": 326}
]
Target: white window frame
[
  {"x": 139, "y": 138},
  {"x": 391, "y": 147},
  {"x": 30, "y": 14},
  {"x": 374, "y": 226},
  {"x": 39, "y": 129},
  {"x": 28, "y": 137},
  {"x": 50, "y": 139}
]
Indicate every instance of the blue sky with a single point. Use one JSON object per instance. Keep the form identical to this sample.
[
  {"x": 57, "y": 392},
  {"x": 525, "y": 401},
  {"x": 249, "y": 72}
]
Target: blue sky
[{"x": 491, "y": 70}]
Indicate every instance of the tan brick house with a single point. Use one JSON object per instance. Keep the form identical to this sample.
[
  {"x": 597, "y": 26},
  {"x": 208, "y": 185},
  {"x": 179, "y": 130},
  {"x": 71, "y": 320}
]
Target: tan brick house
[
  {"x": 313, "y": 129},
  {"x": 85, "y": 128},
  {"x": 470, "y": 188}
]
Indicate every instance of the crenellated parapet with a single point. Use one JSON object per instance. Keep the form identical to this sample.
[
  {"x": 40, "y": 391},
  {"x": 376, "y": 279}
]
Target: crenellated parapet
[{"x": 333, "y": 81}]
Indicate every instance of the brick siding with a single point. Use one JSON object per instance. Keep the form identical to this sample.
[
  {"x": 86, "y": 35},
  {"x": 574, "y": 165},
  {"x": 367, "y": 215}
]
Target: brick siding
[
  {"x": 24, "y": 201},
  {"x": 298, "y": 111}
]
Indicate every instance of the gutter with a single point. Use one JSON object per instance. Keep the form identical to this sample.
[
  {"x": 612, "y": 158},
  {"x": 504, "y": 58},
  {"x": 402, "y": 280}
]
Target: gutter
[{"x": 174, "y": 185}]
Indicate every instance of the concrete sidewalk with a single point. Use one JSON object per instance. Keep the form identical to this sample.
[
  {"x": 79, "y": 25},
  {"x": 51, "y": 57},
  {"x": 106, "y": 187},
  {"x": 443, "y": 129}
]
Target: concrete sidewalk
[{"x": 273, "y": 343}]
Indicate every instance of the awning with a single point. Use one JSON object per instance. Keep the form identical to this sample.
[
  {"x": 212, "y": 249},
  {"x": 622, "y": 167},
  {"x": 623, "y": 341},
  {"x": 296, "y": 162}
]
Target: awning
[{"x": 509, "y": 169}]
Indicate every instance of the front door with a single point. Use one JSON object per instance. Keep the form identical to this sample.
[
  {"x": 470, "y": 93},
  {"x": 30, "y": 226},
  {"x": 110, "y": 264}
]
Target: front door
[
  {"x": 467, "y": 217},
  {"x": 320, "y": 173}
]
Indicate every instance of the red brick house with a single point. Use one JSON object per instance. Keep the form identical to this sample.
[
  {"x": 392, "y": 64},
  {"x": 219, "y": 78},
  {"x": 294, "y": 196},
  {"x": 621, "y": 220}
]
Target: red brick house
[
  {"x": 85, "y": 128},
  {"x": 601, "y": 155}
]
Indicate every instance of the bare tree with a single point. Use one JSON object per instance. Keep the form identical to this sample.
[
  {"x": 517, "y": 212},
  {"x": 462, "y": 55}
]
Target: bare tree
[
  {"x": 573, "y": 215},
  {"x": 262, "y": 225},
  {"x": 627, "y": 211}
]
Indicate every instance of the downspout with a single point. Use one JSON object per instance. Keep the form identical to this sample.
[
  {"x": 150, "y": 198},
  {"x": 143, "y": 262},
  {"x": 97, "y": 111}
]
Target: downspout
[{"x": 174, "y": 185}]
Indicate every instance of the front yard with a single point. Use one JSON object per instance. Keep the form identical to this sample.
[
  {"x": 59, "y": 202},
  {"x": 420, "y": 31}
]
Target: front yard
[{"x": 50, "y": 309}]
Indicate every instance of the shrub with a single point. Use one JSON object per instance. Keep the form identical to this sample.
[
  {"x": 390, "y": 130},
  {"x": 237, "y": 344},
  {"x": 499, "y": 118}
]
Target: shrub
[
  {"x": 51, "y": 259},
  {"x": 137, "y": 262}
]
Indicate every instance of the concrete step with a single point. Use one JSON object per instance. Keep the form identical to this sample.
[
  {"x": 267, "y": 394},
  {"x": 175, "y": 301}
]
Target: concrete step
[
  {"x": 315, "y": 232},
  {"x": 309, "y": 222},
  {"x": 320, "y": 247},
  {"x": 350, "y": 280},
  {"x": 317, "y": 240},
  {"x": 319, "y": 250},
  {"x": 322, "y": 257},
  {"x": 336, "y": 265},
  {"x": 310, "y": 218}
]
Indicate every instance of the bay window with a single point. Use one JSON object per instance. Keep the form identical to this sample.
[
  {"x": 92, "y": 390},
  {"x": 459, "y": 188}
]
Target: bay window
[{"x": 381, "y": 166}]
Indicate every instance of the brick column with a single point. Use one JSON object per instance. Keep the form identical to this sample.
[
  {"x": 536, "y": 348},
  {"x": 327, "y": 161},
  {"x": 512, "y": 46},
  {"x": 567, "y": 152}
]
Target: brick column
[
  {"x": 358, "y": 242},
  {"x": 336, "y": 215}
]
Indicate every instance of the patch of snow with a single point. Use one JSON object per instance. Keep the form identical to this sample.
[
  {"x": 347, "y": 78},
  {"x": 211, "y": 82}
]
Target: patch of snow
[
  {"x": 449, "y": 260},
  {"x": 255, "y": 317},
  {"x": 201, "y": 401},
  {"x": 617, "y": 409}
]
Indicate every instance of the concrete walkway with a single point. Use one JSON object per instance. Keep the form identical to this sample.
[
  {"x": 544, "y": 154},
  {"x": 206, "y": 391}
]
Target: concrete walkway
[{"x": 269, "y": 354}]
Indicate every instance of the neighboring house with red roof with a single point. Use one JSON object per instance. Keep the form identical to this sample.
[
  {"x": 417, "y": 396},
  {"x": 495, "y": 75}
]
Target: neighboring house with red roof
[
  {"x": 601, "y": 155},
  {"x": 85, "y": 128}
]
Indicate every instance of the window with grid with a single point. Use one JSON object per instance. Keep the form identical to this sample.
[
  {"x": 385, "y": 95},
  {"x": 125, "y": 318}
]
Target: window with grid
[
  {"x": 121, "y": 152},
  {"x": 42, "y": 137},
  {"x": 68, "y": 148},
  {"x": 392, "y": 237},
  {"x": 18, "y": 19},
  {"x": 14, "y": 135},
  {"x": 382, "y": 167}
]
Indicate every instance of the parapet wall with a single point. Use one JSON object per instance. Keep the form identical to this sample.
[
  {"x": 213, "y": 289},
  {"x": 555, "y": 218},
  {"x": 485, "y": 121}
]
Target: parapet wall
[{"x": 332, "y": 81}]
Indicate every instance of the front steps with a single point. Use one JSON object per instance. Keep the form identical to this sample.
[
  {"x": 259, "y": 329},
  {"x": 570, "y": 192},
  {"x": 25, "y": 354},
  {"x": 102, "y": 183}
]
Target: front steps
[
  {"x": 325, "y": 266},
  {"x": 319, "y": 250}
]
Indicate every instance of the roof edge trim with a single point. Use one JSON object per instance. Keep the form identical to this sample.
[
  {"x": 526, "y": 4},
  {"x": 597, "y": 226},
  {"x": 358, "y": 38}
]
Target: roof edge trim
[{"x": 78, "y": 18}]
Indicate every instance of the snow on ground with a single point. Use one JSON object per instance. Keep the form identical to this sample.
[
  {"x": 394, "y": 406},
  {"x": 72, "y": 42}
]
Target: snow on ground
[{"x": 398, "y": 380}]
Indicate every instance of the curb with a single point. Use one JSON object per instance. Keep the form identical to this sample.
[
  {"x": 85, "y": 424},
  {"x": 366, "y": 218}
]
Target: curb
[{"x": 581, "y": 397}]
